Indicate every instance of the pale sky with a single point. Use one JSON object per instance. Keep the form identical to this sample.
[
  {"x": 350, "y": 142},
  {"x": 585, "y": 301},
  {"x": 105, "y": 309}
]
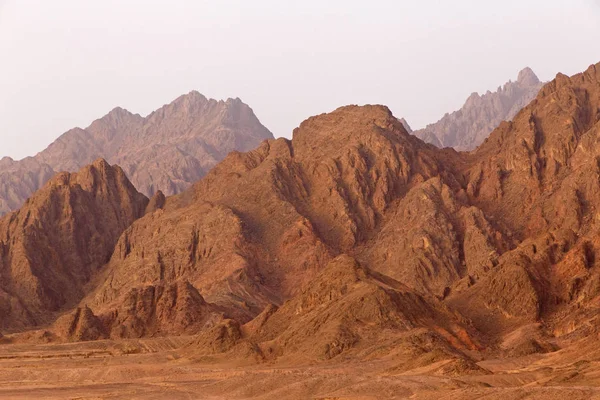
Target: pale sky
[{"x": 64, "y": 63}]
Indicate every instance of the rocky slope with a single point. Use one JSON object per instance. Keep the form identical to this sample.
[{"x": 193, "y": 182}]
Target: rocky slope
[
  {"x": 468, "y": 127},
  {"x": 356, "y": 240},
  {"x": 168, "y": 150}
]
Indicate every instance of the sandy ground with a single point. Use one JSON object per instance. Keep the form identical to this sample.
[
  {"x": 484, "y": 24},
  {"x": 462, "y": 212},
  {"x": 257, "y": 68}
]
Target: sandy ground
[{"x": 161, "y": 369}]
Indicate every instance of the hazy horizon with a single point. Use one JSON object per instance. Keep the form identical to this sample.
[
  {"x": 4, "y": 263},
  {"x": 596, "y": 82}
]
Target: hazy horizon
[{"x": 66, "y": 63}]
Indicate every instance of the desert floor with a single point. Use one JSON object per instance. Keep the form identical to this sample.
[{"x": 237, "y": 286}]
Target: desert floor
[{"x": 161, "y": 369}]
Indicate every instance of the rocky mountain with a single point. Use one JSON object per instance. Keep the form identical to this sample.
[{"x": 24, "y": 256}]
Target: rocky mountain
[
  {"x": 468, "y": 127},
  {"x": 168, "y": 150},
  {"x": 354, "y": 240},
  {"x": 61, "y": 237}
]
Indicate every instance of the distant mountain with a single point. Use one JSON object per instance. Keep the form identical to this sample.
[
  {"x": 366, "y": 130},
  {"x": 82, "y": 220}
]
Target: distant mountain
[
  {"x": 168, "y": 150},
  {"x": 19, "y": 179},
  {"x": 468, "y": 127},
  {"x": 354, "y": 241}
]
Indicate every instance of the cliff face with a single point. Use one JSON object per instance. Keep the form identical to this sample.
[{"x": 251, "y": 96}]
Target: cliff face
[
  {"x": 468, "y": 127},
  {"x": 168, "y": 150}
]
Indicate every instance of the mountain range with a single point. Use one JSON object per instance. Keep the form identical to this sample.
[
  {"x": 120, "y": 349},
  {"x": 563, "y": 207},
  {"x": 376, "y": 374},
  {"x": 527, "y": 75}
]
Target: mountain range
[
  {"x": 168, "y": 150},
  {"x": 353, "y": 242},
  {"x": 179, "y": 143}
]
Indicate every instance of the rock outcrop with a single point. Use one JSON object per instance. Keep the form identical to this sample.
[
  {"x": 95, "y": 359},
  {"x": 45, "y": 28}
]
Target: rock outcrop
[
  {"x": 346, "y": 309},
  {"x": 80, "y": 325},
  {"x": 160, "y": 309}
]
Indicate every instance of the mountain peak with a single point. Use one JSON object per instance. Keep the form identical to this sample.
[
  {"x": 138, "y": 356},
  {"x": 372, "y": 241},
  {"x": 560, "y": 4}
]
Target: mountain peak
[
  {"x": 101, "y": 164},
  {"x": 343, "y": 123},
  {"x": 377, "y": 111},
  {"x": 115, "y": 118},
  {"x": 236, "y": 100},
  {"x": 194, "y": 96},
  {"x": 118, "y": 114},
  {"x": 119, "y": 111},
  {"x": 191, "y": 102},
  {"x": 527, "y": 77}
]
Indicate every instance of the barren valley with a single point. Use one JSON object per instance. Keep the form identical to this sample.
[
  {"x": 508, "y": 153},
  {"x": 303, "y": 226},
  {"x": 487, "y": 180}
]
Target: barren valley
[{"x": 162, "y": 368}]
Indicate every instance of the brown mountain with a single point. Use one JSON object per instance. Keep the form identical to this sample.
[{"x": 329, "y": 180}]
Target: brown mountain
[
  {"x": 356, "y": 242},
  {"x": 468, "y": 127},
  {"x": 168, "y": 150},
  {"x": 60, "y": 238}
]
